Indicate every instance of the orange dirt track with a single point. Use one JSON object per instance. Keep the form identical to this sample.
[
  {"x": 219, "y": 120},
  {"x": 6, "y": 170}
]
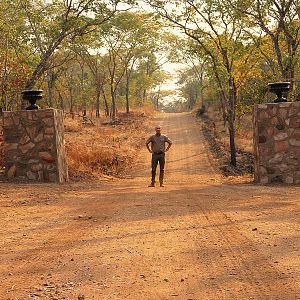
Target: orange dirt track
[{"x": 200, "y": 237}]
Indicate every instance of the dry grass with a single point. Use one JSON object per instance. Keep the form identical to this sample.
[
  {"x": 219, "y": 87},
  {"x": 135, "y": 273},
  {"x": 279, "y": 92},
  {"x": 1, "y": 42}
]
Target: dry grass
[
  {"x": 104, "y": 150},
  {"x": 73, "y": 125},
  {"x": 217, "y": 137},
  {"x": 243, "y": 134},
  {"x": 101, "y": 151}
]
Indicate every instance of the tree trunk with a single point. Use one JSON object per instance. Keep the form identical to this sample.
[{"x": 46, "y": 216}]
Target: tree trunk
[
  {"x": 105, "y": 102},
  {"x": 60, "y": 101},
  {"x": 127, "y": 91},
  {"x": 232, "y": 143},
  {"x": 71, "y": 103},
  {"x": 50, "y": 83},
  {"x": 223, "y": 108},
  {"x": 144, "y": 97},
  {"x": 128, "y": 72},
  {"x": 98, "y": 104},
  {"x": 293, "y": 92},
  {"x": 157, "y": 99},
  {"x": 113, "y": 103},
  {"x": 232, "y": 104},
  {"x": 4, "y": 79}
]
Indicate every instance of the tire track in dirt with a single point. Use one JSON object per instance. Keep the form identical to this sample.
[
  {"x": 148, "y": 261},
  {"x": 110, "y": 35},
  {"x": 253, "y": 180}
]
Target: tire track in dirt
[
  {"x": 256, "y": 273},
  {"x": 122, "y": 240}
]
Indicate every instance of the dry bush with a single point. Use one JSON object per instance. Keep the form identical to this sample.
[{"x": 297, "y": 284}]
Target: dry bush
[
  {"x": 101, "y": 150},
  {"x": 104, "y": 150},
  {"x": 92, "y": 161},
  {"x": 243, "y": 134},
  {"x": 218, "y": 139},
  {"x": 72, "y": 125}
]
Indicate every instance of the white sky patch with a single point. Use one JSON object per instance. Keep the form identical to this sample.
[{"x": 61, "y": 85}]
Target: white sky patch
[
  {"x": 171, "y": 68},
  {"x": 173, "y": 98},
  {"x": 170, "y": 84}
]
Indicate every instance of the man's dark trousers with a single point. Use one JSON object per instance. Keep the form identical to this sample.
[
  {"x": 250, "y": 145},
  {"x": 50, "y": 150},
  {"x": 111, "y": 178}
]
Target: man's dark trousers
[{"x": 158, "y": 158}]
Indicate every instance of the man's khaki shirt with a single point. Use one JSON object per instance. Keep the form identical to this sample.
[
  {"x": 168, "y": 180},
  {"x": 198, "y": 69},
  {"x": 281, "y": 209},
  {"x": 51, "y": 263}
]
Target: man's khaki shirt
[{"x": 158, "y": 143}]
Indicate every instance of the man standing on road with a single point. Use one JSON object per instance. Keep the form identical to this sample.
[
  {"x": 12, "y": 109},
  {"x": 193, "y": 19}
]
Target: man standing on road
[{"x": 158, "y": 150}]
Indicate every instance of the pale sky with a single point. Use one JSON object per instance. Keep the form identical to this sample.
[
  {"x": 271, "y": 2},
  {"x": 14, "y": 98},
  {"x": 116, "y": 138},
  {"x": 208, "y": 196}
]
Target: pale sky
[
  {"x": 171, "y": 68},
  {"x": 170, "y": 85}
]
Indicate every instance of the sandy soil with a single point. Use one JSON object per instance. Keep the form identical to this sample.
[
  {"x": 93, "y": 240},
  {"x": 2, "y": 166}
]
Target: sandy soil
[{"x": 200, "y": 237}]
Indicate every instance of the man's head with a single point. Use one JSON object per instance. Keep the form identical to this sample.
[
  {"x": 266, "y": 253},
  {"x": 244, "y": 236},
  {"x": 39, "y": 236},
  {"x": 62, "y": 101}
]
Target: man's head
[{"x": 157, "y": 129}]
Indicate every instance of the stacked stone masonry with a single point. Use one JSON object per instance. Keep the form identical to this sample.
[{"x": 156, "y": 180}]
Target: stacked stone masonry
[
  {"x": 34, "y": 145},
  {"x": 277, "y": 143}
]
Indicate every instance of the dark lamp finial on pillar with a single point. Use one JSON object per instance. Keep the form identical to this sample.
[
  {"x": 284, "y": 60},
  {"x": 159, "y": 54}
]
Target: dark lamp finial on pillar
[
  {"x": 32, "y": 96},
  {"x": 279, "y": 88}
]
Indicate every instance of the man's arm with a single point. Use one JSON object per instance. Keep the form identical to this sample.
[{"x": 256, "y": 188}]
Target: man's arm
[
  {"x": 168, "y": 147},
  {"x": 169, "y": 144},
  {"x": 148, "y": 142}
]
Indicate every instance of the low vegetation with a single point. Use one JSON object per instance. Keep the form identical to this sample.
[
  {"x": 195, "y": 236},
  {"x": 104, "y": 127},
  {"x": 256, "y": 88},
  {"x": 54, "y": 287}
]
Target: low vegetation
[
  {"x": 101, "y": 149},
  {"x": 216, "y": 134},
  {"x": 106, "y": 149}
]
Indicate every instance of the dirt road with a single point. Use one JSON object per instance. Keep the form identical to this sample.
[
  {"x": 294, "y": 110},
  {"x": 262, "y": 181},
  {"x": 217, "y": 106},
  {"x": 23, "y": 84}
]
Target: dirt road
[{"x": 200, "y": 237}]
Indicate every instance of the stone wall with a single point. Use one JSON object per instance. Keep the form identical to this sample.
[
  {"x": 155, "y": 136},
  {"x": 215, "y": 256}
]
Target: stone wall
[
  {"x": 277, "y": 142},
  {"x": 34, "y": 145}
]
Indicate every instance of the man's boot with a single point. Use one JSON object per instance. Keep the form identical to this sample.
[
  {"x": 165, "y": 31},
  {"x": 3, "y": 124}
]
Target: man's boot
[
  {"x": 161, "y": 178},
  {"x": 152, "y": 184}
]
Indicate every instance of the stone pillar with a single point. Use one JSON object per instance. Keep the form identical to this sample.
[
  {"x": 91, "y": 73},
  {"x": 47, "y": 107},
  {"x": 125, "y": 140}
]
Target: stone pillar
[
  {"x": 34, "y": 145},
  {"x": 277, "y": 142}
]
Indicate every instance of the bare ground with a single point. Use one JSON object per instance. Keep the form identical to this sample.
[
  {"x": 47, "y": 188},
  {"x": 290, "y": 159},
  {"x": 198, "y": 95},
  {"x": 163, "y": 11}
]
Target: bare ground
[{"x": 200, "y": 237}]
